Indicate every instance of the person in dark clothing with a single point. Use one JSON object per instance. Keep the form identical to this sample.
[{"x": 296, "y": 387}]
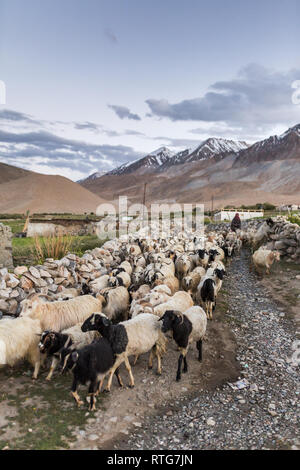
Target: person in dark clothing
[{"x": 236, "y": 223}]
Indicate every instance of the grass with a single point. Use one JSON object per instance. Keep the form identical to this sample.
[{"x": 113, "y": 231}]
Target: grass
[
  {"x": 23, "y": 248},
  {"x": 48, "y": 410},
  {"x": 15, "y": 225},
  {"x": 55, "y": 247}
]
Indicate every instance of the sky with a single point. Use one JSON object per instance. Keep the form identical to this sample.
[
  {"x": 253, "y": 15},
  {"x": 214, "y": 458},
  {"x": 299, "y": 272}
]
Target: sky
[{"x": 92, "y": 84}]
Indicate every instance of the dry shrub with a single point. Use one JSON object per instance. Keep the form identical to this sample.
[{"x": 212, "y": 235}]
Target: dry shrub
[{"x": 54, "y": 246}]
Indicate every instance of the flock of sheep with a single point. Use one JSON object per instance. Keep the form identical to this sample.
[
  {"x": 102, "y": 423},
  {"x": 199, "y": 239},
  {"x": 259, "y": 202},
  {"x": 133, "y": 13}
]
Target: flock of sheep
[{"x": 146, "y": 288}]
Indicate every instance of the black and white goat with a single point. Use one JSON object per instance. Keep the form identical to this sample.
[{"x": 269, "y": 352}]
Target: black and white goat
[
  {"x": 52, "y": 343},
  {"x": 186, "y": 327},
  {"x": 130, "y": 338}
]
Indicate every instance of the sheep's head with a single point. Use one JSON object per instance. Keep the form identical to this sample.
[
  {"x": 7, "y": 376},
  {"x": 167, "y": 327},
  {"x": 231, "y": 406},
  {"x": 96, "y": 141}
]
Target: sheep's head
[
  {"x": 96, "y": 322},
  {"x": 276, "y": 255},
  {"x": 170, "y": 319},
  {"x": 30, "y": 304},
  {"x": 202, "y": 253},
  {"x": 47, "y": 341},
  {"x": 212, "y": 255}
]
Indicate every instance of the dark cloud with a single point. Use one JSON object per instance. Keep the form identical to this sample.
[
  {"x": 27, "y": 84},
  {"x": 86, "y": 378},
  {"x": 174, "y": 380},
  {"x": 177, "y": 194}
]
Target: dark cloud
[
  {"x": 256, "y": 96},
  {"x": 124, "y": 113},
  {"x": 54, "y": 151}
]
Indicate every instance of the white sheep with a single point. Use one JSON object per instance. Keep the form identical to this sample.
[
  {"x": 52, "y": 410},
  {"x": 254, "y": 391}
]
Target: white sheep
[
  {"x": 19, "y": 340},
  {"x": 180, "y": 301},
  {"x": 115, "y": 302},
  {"x": 56, "y": 316},
  {"x": 265, "y": 259}
]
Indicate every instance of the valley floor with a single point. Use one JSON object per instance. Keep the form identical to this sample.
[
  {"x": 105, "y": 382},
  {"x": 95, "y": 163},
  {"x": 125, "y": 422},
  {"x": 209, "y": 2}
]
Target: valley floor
[{"x": 250, "y": 339}]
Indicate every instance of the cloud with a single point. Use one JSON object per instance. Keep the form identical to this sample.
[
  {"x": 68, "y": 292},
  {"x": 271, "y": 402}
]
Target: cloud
[
  {"x": 91, "y": 126},
  {"x": 110, "y": 35},
  {"x": 15, "y": 116},
  {"x": 256, "y": 97},
  {"x": 52, "y": 151},
  {"x": 124, "y": 113}
]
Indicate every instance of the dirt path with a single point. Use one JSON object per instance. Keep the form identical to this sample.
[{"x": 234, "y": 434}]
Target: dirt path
[
  {"x": 249, "y": 338},
  {"x": 264, "y": 413}
]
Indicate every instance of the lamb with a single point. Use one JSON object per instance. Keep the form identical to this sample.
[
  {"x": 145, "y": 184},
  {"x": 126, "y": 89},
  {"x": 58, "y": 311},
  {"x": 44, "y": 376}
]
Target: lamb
[
  {"x": 89, "y": 364},
  {"x": 19, "y": 340},
  {"x": 56, "y": 316},
  {"x": 52, "y": 342},
  {"x": 264, "y": 259},
  {"x": 132, "y": 337},
  {"x": 186, "y": 327},
  {"x": 115, "y": 303},
  {"x": 181, "y": 300}
]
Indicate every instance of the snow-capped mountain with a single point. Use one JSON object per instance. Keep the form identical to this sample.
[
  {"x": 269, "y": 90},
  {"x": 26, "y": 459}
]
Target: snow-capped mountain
[
  {"x": 282, "y": 147},
  {"x": 148, "y": 164},
  {"x": 209, "y": 148},
  {"x": 92, "y": 177}
]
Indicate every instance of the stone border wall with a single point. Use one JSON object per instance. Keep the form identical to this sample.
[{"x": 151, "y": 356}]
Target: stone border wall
[{"x": 6, "y": 260}]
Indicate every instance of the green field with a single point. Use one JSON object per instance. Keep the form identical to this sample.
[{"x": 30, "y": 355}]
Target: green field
[{"x": 23, "y": 248}]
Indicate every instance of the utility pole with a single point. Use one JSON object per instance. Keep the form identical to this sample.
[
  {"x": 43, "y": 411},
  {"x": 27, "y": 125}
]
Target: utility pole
[
  {"x": 212, "y": 204},
  {"x": 144, "y": 199}
]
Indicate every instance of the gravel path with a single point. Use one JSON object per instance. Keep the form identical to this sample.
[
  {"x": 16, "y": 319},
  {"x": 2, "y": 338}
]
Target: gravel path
[{"x": 263, "y": 414}]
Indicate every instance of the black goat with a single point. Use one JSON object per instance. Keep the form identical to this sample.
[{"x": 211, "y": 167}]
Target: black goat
[{"x": 89, "y": 364}]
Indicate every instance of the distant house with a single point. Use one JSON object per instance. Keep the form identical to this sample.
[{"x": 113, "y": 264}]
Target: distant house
[
  {"x": 291, "y": 207},
  {"x": 226, "y": 215}
]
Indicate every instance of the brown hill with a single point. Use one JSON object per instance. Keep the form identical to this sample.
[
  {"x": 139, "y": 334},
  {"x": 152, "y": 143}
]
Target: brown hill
[
  {"x": 268, "y": 171},
  {"x": 8, "y": 173},
  {"x": 42, "y": 193}
]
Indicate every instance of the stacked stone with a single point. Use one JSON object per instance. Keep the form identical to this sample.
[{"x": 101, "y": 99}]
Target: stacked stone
[
  {"x": 283, "y": 236},
  {"x": 6, "y": 260},
  {"x": 50, "y": 278}
]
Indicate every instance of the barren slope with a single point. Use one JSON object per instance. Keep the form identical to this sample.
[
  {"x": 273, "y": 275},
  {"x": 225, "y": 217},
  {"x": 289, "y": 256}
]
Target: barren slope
[{"x": 43, "y": 193}]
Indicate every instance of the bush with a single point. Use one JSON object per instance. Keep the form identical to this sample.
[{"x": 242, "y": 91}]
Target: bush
[
  {"x": 55, "y": 246},
  {"x": 294, "y": 219}
]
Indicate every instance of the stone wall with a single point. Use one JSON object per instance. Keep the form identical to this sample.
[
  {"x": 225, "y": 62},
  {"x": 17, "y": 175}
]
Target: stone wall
[
  {"x": 6, "y": 260},
  {"x": 283, "y": 236}
]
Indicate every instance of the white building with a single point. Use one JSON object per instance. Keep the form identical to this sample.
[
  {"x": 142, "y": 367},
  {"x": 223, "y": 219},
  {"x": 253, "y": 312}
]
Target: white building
[{"x": 226, "y": 215}]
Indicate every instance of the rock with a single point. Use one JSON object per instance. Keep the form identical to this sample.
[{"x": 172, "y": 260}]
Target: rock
[
  {"x": 26, "y": 283},
  {"x": 34, "y": 272},
  {"x": 20, "y": 270},
  {"x": 210, "y": 422},
  {"x": 93, "y": 437}
]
